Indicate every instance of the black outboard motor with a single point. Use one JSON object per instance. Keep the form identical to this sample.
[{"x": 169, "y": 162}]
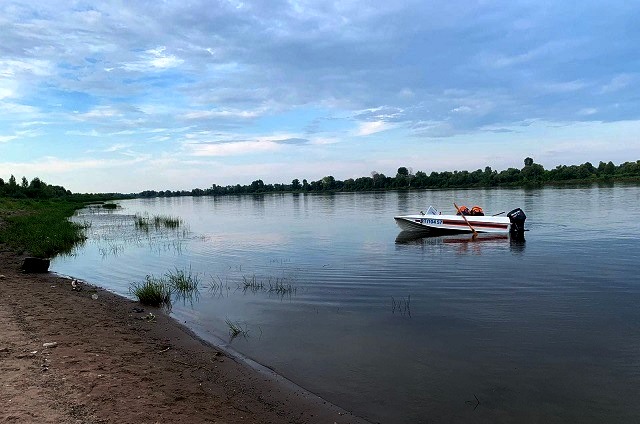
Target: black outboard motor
[{"x": 517, "y": 218}]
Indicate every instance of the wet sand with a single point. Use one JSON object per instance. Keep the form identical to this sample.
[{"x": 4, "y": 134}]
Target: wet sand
[{"x": 112, "y": 363}]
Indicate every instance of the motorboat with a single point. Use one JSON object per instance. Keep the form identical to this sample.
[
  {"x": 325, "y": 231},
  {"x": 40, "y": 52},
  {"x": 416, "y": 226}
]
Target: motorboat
[{"x": 434, "y": 221}]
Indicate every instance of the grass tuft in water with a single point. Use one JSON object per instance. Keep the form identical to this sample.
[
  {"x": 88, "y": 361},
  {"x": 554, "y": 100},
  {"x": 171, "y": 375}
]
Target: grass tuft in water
[
  {"x": 252, "y": 284},
  {"x": 182, "y": 281},
  {"x": 153, "y": 292},
  {"x": 236, "y": 329},
  {"x": 280, "y": 287}
]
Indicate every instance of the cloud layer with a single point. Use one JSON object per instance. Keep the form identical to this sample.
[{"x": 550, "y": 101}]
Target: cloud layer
[{"x": 349, "y": 85}]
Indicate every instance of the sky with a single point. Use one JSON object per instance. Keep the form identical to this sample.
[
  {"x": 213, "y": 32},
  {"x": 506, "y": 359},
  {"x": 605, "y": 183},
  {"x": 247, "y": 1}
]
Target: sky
[{"x": 125, "y": 96}]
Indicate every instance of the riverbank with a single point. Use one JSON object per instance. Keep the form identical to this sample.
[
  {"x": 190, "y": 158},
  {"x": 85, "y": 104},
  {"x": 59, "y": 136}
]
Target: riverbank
[{"x": 113, "y": 363}]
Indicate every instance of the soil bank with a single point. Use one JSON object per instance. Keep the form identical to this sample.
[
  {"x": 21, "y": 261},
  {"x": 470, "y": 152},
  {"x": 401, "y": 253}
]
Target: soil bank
[{"x": 112, "y": 363}]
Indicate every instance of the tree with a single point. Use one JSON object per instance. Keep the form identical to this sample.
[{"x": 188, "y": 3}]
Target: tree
[
  {"x": 12, "y": 181},
  {"x": 403, "y": 171},
  {"x": 24, "y": 182},
  {"x": 528, "y": 162},
  {"x": 295, "y": 184}
]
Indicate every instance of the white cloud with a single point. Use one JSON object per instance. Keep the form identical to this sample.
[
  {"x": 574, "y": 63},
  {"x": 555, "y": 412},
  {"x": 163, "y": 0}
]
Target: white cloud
[
  {"x": 233, "y": 149},
  {"x": 7, "y": 138},
  {"x": 153, "y": 60},
  {"x": 368, "y": 128}
]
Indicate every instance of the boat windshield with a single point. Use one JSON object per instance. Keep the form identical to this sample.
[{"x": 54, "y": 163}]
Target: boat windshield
[{"x": 431, "y": 211}]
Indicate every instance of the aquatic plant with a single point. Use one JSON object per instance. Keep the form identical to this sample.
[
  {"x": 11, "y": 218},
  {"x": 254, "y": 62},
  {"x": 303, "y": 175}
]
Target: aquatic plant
[
  {"x": 153, "y": 292},
  {"x": 157, "y": 221},
  {"x": 218, "y": 286},
  {"x": 236, "y": 329},
  {"x": 252, "y": 284},
  {"x": 182, "y": 281},
  {"x": 281, "y": 287}
]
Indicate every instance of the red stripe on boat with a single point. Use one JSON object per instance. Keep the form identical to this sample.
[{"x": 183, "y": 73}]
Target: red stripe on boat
[{"x": 474, "y": 224}]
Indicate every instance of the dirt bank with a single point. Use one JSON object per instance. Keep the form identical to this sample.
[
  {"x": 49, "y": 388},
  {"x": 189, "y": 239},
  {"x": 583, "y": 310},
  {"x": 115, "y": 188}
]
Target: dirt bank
[{"x": 113, "y": 364}]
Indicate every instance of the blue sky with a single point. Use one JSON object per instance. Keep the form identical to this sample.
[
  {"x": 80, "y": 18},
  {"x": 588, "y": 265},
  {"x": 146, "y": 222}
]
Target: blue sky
[{"x": 127, "y": 96}]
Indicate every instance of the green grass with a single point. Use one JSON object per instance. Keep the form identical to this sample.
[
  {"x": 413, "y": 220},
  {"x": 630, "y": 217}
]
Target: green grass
[
  {"x": 157, "y": 221},
  {"x": 236, "y": 329},
  {"x": 182, "y": 281},
  {"x": 39, "y": 227},
  {"x": 153, "y": 292},
  {"x": 158, "y": 291}
]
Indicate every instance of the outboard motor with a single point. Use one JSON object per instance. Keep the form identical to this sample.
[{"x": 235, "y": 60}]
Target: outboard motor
[{"x": 517, "y": 218}]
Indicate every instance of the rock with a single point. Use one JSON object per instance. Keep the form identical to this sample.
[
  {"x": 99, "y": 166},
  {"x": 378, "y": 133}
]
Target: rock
[
  {"x": 2, "y": 277},
  {"x": 31, "y": 264},
  {"x": 51, "y": 344},
  {"x": 94, "y": 296}
]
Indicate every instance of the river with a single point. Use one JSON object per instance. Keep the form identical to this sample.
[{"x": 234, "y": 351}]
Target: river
[{"x": 401, "y": 330}]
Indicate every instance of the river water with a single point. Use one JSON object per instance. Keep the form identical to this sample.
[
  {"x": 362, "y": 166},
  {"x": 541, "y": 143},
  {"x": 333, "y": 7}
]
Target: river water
[{"x": 401, "y": 330}]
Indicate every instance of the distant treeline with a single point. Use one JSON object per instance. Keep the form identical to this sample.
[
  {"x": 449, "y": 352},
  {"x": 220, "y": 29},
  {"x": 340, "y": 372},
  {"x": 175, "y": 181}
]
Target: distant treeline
[
  {"x": 38, "y": 189},
  {"x": 532, "y": 174}
]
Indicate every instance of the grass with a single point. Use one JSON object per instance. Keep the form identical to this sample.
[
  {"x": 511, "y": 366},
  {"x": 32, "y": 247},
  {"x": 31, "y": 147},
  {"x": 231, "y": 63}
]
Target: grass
[
  {"x": 280, "y": 287},
  {"x": 39, "y": 227},
  {"x": 252, "y": 284},
  {"x": 182, "y": 281},
  {"x": 153, "y": 292},
  {"x": 157, "y": 291},
  {"x": 236, "y": 329},
  {"x": 157, "y": 221},
  {"x": 109, "y": 206}
]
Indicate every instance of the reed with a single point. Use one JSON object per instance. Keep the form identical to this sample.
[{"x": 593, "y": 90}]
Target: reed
[
  {"x": 236, "y": 329},
  {"x": 252, "y": 284},
  {"x": 153, "y": 292},
  {"x": 182, "y": 281}
]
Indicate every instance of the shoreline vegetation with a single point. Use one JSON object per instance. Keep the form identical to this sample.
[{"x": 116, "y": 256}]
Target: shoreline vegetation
[
  {"x": 33, "y": 215},
  {"x": 531, "y": 175}
]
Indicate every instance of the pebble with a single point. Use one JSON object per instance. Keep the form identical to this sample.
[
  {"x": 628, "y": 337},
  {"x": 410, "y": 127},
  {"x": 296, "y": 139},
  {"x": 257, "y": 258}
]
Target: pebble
[
  {"x": 51, "y": 344},
  {"x": 2, "y": 277}
]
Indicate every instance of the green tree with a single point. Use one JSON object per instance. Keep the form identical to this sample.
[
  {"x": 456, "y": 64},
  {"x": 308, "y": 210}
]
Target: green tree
[
  {"x": 295, "y": 184},
  {"x": 528, "y": 162}
]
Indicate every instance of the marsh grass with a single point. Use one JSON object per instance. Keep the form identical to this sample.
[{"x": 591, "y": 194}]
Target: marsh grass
[
  {"x": 252, "y": 284},
  {"x": 218, "y": 287},
  {"x": 281, "y": 287},
  {"x": 158, "y": 291},
  {"x": 182, "y": 281},
  {"x": 40, "y": 227},
  {"x": 144, "y": 223},
  {"x": 236, "y": 329},
  {"x": 153, "y": 292}
]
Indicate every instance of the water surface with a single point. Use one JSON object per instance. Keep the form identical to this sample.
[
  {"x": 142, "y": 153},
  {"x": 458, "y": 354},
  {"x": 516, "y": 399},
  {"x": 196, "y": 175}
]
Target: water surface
[{"x": 403, "y": 330}]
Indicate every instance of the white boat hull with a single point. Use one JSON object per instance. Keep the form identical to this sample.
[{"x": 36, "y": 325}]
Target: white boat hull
[{"x": 454, "y": 223}]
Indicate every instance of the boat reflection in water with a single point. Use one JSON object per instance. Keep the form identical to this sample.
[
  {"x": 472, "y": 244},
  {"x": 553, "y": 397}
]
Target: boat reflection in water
[{"x": 462, "y": 242}]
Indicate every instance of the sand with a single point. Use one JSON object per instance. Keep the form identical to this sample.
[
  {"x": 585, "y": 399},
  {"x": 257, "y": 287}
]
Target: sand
[{"x": 111, "y": 363}]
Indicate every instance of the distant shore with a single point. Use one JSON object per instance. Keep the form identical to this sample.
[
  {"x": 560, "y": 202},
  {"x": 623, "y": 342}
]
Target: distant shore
[{"x": 113, "y": 363}]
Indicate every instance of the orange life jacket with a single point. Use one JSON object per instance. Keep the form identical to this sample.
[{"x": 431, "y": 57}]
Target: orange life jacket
[
  {"x": 477, "y": 210},
  {"x": 463, "y": 210}
]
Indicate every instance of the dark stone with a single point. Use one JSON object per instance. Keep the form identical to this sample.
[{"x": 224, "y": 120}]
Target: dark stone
[{"x": 35, "y": 265}]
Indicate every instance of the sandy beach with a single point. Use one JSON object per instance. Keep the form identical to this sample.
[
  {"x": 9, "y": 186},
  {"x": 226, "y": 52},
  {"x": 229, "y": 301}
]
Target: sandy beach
[{"x": 85, "y": 355}]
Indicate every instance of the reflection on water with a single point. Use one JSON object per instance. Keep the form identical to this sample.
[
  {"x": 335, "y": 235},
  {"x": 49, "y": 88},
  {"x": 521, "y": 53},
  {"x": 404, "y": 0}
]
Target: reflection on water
[
  {"x": 403, "y": 328},
  {"x": 461, "y": 243}
]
